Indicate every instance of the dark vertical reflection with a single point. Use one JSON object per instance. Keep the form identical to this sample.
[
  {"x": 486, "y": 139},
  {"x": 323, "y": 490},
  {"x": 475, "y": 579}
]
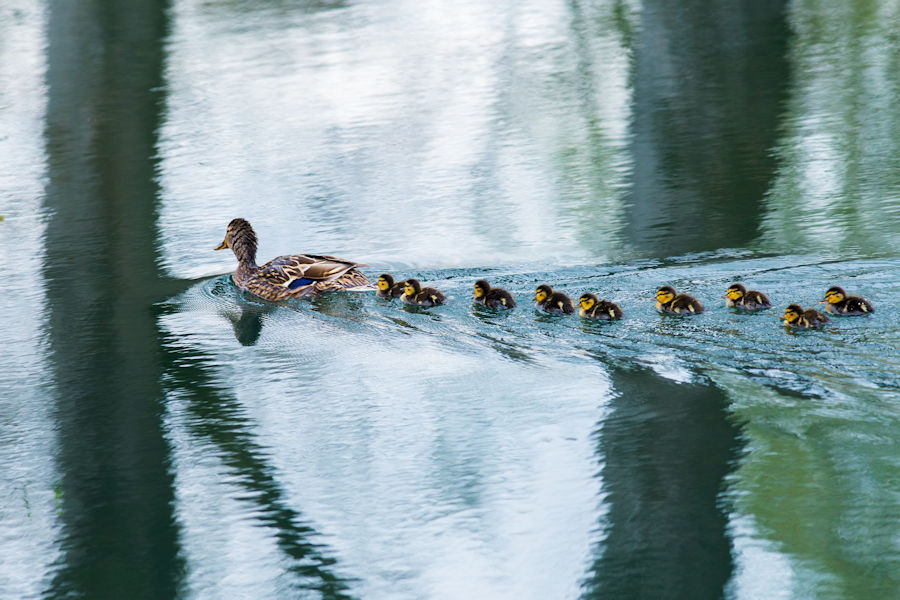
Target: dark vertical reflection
[
  {"x": 666, "y": 450},
  {"x": 119, "y": 537},
  {"x": 215, "y": 416},
  {"x": 709, "y": 81}
]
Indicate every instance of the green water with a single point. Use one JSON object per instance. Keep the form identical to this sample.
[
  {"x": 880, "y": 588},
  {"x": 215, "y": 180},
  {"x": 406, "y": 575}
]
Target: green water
[{"x": 163, "y": 434}]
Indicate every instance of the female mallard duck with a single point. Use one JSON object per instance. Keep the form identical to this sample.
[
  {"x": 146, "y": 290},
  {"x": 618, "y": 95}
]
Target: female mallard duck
[
  {"x": 670, "y": 301},
  {"x": 839, "y": 303},
  {"x": 738, "y": 296},
  {"x": 290, "y": 276},
  {"x": 594, "y": 308},
  {"x": 555, "y": 303},
  {"x": 414, "y": 293},
  {"x": 795, "y": 316},
  {"x": 387, "y": 288},
  {"x": 492, "y": 296}
]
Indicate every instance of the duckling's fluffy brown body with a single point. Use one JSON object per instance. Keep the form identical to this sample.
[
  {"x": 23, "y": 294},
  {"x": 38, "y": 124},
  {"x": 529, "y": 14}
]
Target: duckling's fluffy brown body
[
  {"x": 492, "y": 296},
  {"x": 670, "y": 301},
  {"x": 594, "y": 308},
  {"x": 414, "y": 293},
  {"x": 738, "y": 296},
  {"x": 837, "y": 302},
  {"x": 796, "y": 316},
  {"x": 554, "y": 303}
]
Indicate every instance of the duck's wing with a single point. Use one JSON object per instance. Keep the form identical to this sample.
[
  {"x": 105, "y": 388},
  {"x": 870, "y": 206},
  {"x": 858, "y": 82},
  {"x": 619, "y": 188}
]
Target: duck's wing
[
  {"x": 759, "y": 299},
  {"x": 300, "y": 270},
  {"x": 859, "y": 305},
  {"x": 327, "y": 258}
]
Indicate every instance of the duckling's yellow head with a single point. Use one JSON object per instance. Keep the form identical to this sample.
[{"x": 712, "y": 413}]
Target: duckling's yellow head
[
  {"x": 792, "y": 313},
  {"x": 736, "y": 291},
  {"x": 412, "y": 287},
  {"x": 587, "y": 301},
  {"x": 665, "y": 294},
  {"x": 542, "y": 292},
  {"x": 481, "y": 288},
  {"x": 385, "y": 282},
  {"x": 834, "y": 295}
]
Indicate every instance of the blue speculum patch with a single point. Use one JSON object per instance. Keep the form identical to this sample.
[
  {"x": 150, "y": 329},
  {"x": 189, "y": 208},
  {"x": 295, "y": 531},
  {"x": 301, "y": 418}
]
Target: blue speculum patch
[{"x": 297, "y": 283}]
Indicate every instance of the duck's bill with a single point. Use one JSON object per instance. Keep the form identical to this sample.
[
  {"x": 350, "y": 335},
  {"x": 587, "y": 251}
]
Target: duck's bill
[{"x": 221, "y": 246}]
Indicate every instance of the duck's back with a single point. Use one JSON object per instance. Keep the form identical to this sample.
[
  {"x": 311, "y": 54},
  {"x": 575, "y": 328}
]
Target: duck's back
[
  {"x": 499, "y": 298},
  {"x": 811, "y": 319},
  {"x": 558, "y": 303},
  {"x": 754, "y": 300},
  {"x": 605, "y": 310},
  {"x": 856, "y": 305},
  {"x": 683, "y": 303}
]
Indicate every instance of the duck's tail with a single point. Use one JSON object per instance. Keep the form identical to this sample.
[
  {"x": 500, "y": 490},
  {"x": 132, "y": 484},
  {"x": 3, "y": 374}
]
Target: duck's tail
[{"x": 351, "y": 281}]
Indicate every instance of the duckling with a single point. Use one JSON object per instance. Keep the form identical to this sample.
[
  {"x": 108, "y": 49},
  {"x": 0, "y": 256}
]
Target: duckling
[
  {"x": 594, "y": 308},
  {"x": 387, "y": 288},
  {"x": 669, "y": 301},
  {"x": 839, "y": 303},
  {"x": 291, "y": 276},
  {"x": 738, "y": 296},
  {"x": 414, "y": 293},
  {"x": 795, "y": 316},
  {"x": 492, "y": 296},
  {"x": 552, "y": 302}
]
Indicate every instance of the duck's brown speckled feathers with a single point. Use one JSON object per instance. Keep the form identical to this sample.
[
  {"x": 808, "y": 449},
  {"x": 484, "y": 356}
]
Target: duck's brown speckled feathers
[
  {"x": 738, "y": 296},
  {"x": 796, "y": 316},
  {"x": 839, "y": 303},
  {"x": 670, "y": 301},
  {"x": 387, "y": 288},
  {"x": 290, "y": 276},
  {"x": 414, "y": 293},
  {"x": 492, "y": 296},
  {"x": 594, "y": 308},
  {"x": 549, "y": 301}
]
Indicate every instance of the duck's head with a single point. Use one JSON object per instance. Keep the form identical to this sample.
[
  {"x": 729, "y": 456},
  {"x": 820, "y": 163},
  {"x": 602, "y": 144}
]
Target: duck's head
[
  {"x": 482, "y": 287},
  {"x": 665, "y": 294},
  {"x": 542, "y": 292},
  {"x": 240, "y": 237},
  {"x": 412, "y": 287},
  {"x": 735, "y": 291},
  {"x": 588, "y": 301},
  {"x": 385, "y": 282},
  {"x": 792, "y": 313},
  {"x": 834, "y": 295}
]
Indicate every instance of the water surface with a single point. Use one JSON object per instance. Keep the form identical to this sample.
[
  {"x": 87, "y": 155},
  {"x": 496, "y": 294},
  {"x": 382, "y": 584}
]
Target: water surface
[{"x": 163, "y": 434}]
